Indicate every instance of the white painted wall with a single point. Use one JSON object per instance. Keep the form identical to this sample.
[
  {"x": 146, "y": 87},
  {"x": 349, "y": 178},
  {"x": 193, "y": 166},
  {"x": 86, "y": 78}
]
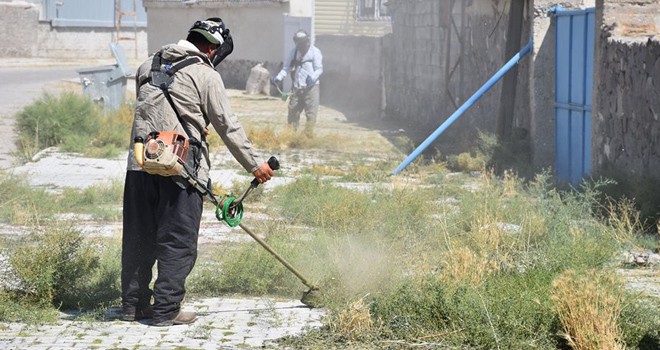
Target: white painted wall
[{"x": 301, "y": 8}]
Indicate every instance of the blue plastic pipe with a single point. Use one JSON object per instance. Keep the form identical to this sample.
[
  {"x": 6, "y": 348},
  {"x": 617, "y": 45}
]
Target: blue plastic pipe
[{"x": 467, "y": 104}]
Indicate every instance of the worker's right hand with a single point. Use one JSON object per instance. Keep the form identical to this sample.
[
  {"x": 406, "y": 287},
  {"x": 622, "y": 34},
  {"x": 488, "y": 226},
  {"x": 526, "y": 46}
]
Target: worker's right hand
[
  {"x": 264, "y": 173},
  {"x": 275, "y": 81}
]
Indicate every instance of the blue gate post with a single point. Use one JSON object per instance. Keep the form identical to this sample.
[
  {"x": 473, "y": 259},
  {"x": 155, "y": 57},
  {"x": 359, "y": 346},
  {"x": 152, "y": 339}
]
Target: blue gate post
[{"x": 574, "y": 58}]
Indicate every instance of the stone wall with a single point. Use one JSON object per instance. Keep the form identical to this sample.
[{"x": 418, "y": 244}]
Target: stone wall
[
  {"x": 427, "y": 77},
  {"x": 626, "y": 131}
]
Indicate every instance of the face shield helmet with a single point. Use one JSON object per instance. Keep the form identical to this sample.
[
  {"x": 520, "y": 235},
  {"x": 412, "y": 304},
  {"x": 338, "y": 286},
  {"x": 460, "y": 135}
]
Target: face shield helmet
[
  {"x": 227, "y": 46},
  {"x": 215, "y": 31},
  {"x": 301, "y": 39}
]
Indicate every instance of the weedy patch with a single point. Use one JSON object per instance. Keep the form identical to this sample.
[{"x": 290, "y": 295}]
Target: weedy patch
[
  {"x": 25, "y": 205},
  {"x": 62, "y": 269},
  {"x": 199, "y": 332},
  {"x": 354, "y": 320},
  {"x": 427, "y": 259},
  {"x": 480, "y": 275},
  {"x": 589, "y": 306}
]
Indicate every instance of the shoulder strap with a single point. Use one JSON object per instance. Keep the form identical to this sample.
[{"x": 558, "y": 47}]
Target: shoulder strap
[
  {"x": 163, "y": 78},
  {"x": 169, "y": 71}
]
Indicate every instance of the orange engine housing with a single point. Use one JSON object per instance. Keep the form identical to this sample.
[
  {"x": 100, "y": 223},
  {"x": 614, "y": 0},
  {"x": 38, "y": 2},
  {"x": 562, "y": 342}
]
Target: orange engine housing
[{"x": 166, "y": 141}]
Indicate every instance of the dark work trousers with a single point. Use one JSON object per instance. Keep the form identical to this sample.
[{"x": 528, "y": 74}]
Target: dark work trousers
[
  {"x": 161, "y": 223},
  {"x": 306, "y": 99}
]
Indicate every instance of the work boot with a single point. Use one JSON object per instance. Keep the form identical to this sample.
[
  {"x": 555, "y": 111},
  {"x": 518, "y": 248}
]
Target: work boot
[
  {"x": 136, "y": 315},
  {"x": 183, "y": 317}
]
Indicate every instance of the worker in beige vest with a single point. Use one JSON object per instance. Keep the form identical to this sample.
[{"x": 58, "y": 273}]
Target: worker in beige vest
[{"x": 178, "y": 93}]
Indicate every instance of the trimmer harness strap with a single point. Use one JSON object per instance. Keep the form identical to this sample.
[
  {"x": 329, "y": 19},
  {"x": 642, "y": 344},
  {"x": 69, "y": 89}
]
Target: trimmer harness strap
[{"x": 162, "y": 75}]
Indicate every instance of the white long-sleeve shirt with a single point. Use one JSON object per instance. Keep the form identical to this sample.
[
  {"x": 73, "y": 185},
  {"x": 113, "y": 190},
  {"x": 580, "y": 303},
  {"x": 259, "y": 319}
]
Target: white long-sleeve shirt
[{"x": 308, "y": 65}]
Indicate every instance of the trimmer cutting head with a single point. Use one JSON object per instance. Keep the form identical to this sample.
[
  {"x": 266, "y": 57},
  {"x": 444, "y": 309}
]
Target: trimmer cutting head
[{"x": 312, "y": 298}]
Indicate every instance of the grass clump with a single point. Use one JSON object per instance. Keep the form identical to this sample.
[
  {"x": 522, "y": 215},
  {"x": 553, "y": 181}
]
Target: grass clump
[
  {"x": 73, "y": 123},
  {"x": 69, "y": 120},
  {"x": 354, "y": 320},
  {"x": 589, "y": 306},
  {"x": 63, "y": 270},
  {"x": 466, "y": 162}
]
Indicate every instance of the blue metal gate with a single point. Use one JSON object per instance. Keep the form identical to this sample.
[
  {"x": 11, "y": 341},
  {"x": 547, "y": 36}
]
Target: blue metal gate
[{"x": 574, "y": 58}]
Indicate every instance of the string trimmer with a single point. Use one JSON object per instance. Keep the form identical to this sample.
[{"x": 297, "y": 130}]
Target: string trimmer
[
  {"x": 166, "y": 152},
  {"x": 230, "y": 210}
]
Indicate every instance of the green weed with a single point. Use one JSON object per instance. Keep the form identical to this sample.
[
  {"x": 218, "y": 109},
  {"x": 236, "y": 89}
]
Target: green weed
[
  {"x": 477, "y": 273},
  {"x": 73, "y": 123},
  {"x": 113, "y": 136},
  {"x": 68, "y": 120},
  {"x": 248, "y": 269},
  {"x": 64, "y": 270}
]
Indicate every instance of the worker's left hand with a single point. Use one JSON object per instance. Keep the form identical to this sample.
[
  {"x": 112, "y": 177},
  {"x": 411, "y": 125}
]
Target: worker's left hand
[
  {"x": 310, "y": 81},
  {"x": 264, "y": 173}
]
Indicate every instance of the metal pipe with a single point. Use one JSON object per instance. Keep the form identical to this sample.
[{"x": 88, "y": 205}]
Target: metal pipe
[
  {"x": 467, "y": 104},
  {"x": 278, "y": 257}
]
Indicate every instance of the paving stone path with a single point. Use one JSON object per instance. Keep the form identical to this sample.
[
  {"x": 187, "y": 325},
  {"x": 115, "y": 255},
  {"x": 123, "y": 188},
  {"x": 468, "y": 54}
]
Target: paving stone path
[{"x": 223, "y": 323}]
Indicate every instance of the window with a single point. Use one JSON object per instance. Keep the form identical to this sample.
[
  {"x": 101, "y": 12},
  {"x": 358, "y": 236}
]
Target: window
[{"x": 372, "y": 10}]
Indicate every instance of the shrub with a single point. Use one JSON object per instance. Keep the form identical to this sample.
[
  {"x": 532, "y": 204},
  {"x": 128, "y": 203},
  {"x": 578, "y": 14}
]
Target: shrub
[
  {"x": 589, "y": 306},
  {"x": 68, "y": 120},
  {"x": 113, "y": 136},
  {"x": 62, "y": 269}
]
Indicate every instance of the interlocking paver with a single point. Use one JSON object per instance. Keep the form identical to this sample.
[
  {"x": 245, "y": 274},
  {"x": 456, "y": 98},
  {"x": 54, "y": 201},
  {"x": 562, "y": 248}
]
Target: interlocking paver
[{"x": 223, "y": 323}]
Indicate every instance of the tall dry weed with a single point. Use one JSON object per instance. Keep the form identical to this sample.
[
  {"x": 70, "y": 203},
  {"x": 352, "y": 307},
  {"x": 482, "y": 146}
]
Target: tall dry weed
[
  {"x": 465, "y": 266},
  {"x": 354, "y": 320},
  {"x": 489, "y": 246},
  {"x": 588, "y": 306},
  {"x": 624, "y": 220}
]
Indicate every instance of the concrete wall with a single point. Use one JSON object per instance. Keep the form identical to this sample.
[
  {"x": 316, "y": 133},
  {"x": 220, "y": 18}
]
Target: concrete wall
[
  {"x": 257, "y": 31},
  {"x": 70, "y": 42},
  {"x": 14, "y": 19},
  {"x": 626, "y": 131},
  {"x": 351, "y": 80},
  {"x": 43, "y": 40}
]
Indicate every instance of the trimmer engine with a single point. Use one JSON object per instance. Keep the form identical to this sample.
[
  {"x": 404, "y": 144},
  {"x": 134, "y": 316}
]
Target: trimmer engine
[{"x": 163, "y": 153}]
